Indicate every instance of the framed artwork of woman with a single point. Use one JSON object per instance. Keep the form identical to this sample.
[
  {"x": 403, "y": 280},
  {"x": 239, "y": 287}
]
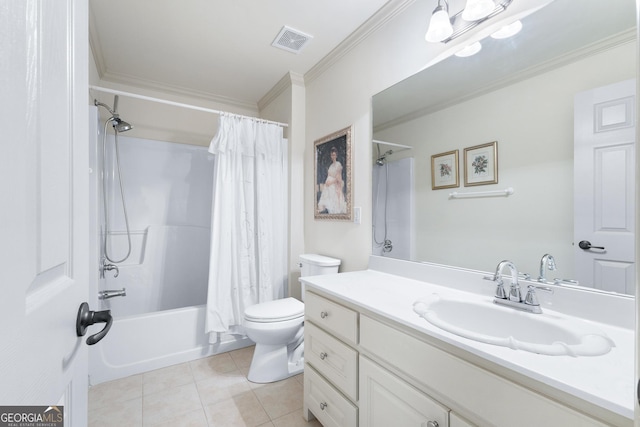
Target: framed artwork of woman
[{"x": 332, "y": 185}]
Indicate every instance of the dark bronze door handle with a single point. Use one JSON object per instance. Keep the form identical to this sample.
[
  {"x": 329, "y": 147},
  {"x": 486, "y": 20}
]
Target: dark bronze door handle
[
  {"x": 586, "y": 245},
  {"x": 87, "y": 318}
]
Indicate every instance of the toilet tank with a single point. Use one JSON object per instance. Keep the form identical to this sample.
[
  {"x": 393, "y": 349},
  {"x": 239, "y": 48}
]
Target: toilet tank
[{"x": 314, "y": 265}]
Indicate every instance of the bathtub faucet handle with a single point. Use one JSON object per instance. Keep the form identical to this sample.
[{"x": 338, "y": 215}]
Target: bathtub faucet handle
[{"x": 105, "y": 266}]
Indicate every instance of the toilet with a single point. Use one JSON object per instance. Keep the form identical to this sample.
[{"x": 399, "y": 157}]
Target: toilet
[{"x": 277, "y": 328}]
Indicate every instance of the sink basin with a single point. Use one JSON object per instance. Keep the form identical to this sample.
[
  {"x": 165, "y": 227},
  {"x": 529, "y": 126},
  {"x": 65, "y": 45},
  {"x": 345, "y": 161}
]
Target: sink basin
[{"x": 483, "y": 321}]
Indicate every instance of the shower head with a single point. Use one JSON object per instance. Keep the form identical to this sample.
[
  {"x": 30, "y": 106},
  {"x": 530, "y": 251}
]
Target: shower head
[
  {"x": 120, "y": 125},
  {"x": 380, "y": 160}
]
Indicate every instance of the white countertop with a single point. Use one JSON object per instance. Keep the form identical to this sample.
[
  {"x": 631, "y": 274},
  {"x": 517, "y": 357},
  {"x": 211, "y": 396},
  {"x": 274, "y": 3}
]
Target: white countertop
[{"x": 606, "y": 381}]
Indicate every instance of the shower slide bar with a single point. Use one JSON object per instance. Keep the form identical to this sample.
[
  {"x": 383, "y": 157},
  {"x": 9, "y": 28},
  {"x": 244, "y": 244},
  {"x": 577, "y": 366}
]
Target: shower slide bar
[
  {"x": 178, "y": 104},
  {"x": 506, "y": 192}
]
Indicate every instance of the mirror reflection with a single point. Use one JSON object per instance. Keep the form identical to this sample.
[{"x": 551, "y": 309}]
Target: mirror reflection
[{"x": 558, "y": 100}]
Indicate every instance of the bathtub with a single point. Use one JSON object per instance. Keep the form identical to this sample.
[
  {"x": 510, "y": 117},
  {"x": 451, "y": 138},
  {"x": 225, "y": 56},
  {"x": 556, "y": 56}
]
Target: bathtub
[
  {"x": 136, "y": 344},
  {"x": 161, "y": 320}
]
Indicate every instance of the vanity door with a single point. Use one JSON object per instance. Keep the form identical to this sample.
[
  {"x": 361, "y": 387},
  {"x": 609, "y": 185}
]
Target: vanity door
[{"x": 386, "y": 400}]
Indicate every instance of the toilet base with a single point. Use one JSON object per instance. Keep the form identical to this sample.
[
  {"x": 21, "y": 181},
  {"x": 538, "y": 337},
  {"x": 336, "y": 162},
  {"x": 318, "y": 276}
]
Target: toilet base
[{"x": 271, "y": 363}]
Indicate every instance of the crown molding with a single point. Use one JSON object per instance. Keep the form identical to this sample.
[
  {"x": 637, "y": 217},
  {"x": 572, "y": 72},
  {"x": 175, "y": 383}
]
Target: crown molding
[
  {"x": 288, "y": 80},
  {"x": 379, "y": 19},
  {"x": 628, "y": 36},
  {"x": 125, "y": 79}
]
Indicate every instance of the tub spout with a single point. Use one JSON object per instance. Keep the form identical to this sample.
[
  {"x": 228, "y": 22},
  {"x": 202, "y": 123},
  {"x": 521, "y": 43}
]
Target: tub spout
[{"x": 110, "y": 293}]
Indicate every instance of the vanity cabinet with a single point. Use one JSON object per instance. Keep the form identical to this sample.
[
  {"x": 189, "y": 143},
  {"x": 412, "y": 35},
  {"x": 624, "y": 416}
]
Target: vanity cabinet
[
  {"x": 331, "y": 362},
  {"x": 386, "y": 401},
  {"x": 364, "y": 369}
]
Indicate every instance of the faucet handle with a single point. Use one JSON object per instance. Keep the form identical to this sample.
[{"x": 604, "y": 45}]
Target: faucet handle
[
  {"x": 500, "y": 292},
  {"x": 532, "y": 297}
]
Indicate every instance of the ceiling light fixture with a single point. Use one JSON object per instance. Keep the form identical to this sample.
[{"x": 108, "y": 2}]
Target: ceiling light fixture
[
  {"x": 477, "y": 9},
  {"x": 444, "y": 28},
  {"x": 440, "y": 24},
  {"x": 508, "y": 30},
  {"x": 469, "y": 50}
]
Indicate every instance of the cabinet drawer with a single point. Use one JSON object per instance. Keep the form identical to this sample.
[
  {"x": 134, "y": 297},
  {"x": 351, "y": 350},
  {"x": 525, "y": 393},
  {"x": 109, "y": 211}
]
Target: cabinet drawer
[
  {"x": 386, "y": 400},
  {"x": 334, "y": 318},
  {"x": 326, "y": 403},
  {"x": 335, "y": 360}
]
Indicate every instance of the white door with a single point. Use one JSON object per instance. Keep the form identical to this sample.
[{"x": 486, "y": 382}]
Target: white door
[
  {"x": 44, "y": 213},
  {"x": 604, "y": 187}
]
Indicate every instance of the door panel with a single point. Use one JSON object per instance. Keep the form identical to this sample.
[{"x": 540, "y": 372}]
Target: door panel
[
  {"x": 604, "y": 187},
  {"x": 44, "y": 219}
]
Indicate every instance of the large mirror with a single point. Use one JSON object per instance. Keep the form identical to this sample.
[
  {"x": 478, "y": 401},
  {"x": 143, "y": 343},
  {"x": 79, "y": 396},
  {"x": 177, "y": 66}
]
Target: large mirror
[{"x": 519, "y": 92}]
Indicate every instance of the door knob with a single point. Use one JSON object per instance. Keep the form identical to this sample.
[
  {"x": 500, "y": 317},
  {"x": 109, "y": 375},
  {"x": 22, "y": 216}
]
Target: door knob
[
  {"x": 87, "y": 318},
  {"x": 585, "y": 244}
]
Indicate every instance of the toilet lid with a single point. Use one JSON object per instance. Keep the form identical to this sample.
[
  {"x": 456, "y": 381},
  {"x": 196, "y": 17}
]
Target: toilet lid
[{"x": 275, "y": 311}]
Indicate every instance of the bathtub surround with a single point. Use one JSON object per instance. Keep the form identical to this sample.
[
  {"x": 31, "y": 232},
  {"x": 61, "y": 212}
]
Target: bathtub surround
[
  {"x": 161, "y": 320},
  {"x": 248, "y": 259}
]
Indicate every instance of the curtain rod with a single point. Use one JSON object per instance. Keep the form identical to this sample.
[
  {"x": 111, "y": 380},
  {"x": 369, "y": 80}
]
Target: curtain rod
[{"x": 178, "y": 104}]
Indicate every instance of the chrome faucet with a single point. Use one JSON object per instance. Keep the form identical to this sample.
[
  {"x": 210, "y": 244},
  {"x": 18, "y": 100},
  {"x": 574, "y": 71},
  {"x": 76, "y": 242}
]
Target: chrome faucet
[
  {"x": 547, "y": 261},
  {"x": 514, "y": 291},
  {"x": 514, "y": 300},
  {"x": 110, "y": 293}
]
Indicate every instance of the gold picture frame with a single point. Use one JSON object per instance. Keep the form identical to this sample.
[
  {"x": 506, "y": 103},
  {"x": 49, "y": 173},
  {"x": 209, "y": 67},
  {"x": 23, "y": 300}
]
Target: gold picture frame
[
  {"x": 332, "y": 177},
  {"x": 481, "y": 164},
  {"x": 444, "y": 170}
]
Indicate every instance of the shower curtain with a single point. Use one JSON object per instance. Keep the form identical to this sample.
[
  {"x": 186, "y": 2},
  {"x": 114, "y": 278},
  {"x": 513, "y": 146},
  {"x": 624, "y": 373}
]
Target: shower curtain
[{"x": 248, "y": 221}]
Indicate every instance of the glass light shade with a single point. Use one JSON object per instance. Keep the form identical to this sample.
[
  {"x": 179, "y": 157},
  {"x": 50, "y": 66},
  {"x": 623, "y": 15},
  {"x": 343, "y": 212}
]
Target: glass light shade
[
  {"x": 439, "y": 27},
  {"x": 508, "y": 30},
  {"x": 477, "y": 9},
  {"x": 470, "y": 50}
]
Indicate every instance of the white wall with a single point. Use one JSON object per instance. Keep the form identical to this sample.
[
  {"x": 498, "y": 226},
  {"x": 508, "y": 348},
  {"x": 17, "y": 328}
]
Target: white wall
[{"x": 341, "y": 96}]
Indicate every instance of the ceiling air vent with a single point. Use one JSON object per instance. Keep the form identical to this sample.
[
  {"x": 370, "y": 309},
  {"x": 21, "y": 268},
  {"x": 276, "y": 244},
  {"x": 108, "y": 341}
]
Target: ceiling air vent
[{"x": 291, "y": 40}]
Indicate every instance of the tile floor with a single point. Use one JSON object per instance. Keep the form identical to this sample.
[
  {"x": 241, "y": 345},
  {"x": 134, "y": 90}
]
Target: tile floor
[{"x": 208, "y": 392}]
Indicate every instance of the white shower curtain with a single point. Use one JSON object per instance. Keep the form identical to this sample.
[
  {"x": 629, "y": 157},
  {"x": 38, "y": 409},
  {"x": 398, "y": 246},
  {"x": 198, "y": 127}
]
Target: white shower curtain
[{"x": 248, "y": 221}]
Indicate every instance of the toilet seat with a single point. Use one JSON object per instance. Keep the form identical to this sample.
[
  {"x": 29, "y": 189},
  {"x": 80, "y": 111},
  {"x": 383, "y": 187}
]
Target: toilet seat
[{"x": 275, "y": 311}]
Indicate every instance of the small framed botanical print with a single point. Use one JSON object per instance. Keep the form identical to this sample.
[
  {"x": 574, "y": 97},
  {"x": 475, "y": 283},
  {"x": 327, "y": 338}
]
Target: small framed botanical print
[
  {"x": 481, "y": 164},
  {"x": 444, "y": 170}
]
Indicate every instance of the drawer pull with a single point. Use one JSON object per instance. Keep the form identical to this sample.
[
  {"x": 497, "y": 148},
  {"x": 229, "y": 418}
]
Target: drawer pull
[
  {"x": 432, "y": 424},
  {"x": 323, "y": 314},
  {"x": 323, "y": 355},
  {"x": 324, "y": 405}
]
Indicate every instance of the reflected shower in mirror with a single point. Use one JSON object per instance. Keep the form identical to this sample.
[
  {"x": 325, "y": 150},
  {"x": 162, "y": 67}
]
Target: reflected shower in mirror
[
  {"x": 520, "y": 92},
  {"x": 393, "y": 224}
]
